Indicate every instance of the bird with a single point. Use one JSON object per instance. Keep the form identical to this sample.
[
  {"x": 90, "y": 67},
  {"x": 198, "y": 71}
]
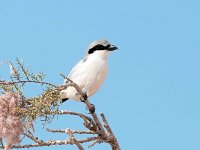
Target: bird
[{"x": 90, "y": 72}]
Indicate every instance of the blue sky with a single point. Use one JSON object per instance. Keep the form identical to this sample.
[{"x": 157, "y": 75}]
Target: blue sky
[{"x": 151, "y": 96}]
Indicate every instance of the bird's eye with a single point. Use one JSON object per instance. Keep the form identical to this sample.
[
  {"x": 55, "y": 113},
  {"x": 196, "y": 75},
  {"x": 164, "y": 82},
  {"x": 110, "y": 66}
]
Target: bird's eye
[
  {"x": 97, "y": 47},
  {"x": 100, "y": 47},
  {"x": 108, "y": 46}
]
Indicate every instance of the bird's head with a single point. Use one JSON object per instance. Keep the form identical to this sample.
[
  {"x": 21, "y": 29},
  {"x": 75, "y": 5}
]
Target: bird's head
[{"x": 101, "y": 47}]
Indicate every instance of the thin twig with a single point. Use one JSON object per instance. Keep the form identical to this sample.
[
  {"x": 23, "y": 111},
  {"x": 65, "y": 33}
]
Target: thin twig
[
  {"x": 95, "y": 142},
  {"x": 23, "y": 69},
  {"x": 62, "y": 112},
  {"x": 35, "y": 139},
  {"x": 80, "y": 147},
  {"x": 99, "y": 125},
  {"x": 26, "y": 81},
  {"x": 110, "y": 137},
  {"x": 73, "y": 131},
  {"x": 77, "y": 88},
  {"x": 106, "y": 125},
  {"x": 68, "y": 131},
  {"x": 55, "y": 142}
]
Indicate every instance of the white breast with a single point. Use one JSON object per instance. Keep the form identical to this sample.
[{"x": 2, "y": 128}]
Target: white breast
[{"x": 89, "y": 75}]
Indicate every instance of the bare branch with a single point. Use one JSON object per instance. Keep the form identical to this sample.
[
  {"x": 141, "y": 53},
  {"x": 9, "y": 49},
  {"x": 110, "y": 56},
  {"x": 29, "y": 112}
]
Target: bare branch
[
  {"x": 106, "y": 125},
  {"x": 68, "y": 131},
  {"x": 73, "y": 131},
  {"x": 25, "y": 71},
  {"x": 98, "y": 141},
  {"x": 55, "y": 142},
  {"x": 110, "y": 137},
  {"x": 28, "y": 81},
  {"x": 35, "y": 139},
  {"x": 77, "y": 143}
]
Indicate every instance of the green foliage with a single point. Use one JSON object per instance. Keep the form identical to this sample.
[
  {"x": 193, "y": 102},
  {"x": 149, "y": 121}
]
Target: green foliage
[
  {"x": 34, "y": 107},
  {"x": 40, "y": 106}
]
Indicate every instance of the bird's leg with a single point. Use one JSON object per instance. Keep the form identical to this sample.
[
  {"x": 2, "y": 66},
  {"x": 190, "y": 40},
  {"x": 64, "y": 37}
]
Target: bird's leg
[
  {"x": 84, "y": 97},
  {"x": 85, "y": 100},
  {"x": 91, "y": 108}
]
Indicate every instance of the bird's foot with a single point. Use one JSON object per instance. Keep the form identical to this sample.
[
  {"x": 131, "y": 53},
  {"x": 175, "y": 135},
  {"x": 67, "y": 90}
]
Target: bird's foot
[
  {"x": 91, "y": 108},
  {"x": 84, "y": 97}
]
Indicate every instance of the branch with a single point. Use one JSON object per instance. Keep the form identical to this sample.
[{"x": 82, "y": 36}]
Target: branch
[
  {"x": 55, "y": 142},
  {"x": 68, "y": 131},
  {"x": 106, "y": 125},
  {"x": 110, "y": 137},
  {"x": 73, "y": 131},
  {"x": 77, "y": 143},
  {"x": 35, "y": 139},
  {"x": 26, "y": 81}
]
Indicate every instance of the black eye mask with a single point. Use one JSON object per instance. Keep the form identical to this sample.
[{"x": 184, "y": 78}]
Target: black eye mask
[{"x": 98, "y": 47}]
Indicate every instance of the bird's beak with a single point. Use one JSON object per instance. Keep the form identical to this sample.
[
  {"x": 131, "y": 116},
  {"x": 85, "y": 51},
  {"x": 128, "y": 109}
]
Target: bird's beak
[{"x": 112, "y": 48}]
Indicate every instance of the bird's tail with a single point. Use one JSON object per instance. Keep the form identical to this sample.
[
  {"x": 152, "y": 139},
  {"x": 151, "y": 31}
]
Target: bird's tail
[{"x": 64, "y": 99}]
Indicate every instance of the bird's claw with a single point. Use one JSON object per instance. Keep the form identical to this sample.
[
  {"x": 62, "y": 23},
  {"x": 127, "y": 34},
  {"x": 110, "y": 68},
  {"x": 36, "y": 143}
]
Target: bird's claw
[
  {"x": 91, "y": 108},
  {"x": 84, "y": 97}
]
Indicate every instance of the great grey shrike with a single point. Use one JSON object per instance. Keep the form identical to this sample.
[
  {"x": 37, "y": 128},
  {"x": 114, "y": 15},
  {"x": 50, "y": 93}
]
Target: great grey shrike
[{"x": 90, "y": 72}]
